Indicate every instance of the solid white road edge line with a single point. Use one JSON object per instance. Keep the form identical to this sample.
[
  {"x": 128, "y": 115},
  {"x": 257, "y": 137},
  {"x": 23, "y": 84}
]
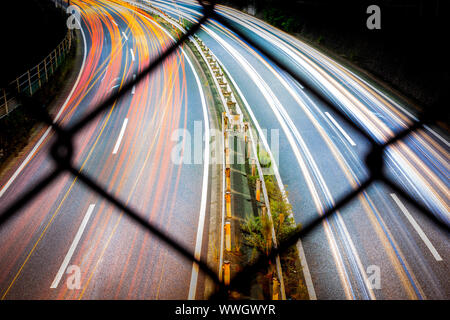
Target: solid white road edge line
[
  {"x": 305, "y": 267},
  {"x": 340, "y": 129},
  {"x": 201, "y": 221},
  {"x": 416, "y": 227},
  {"x": 119, "y": 139},
  {"x": 72, "y": 248}
]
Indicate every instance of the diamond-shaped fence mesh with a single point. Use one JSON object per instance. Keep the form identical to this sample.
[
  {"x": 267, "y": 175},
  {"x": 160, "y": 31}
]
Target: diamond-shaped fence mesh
[{"x": 62, "y": 152}]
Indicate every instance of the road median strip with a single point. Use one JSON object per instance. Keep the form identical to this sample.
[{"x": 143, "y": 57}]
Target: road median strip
[{"x": 245, "y": 196}]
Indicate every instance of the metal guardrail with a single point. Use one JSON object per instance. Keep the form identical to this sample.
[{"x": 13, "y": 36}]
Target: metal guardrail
[
  {"x": 33, "y": 79},
  {"x": 62, "y": 153},
  {"x": 237, "y": 117}
]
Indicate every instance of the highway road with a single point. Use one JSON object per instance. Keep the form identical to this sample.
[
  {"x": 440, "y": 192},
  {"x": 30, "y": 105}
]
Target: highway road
[
  {"x": 321, "y": 158},
  {"x": 69, "y": 229},
  {"x": 127, "y": 149}
]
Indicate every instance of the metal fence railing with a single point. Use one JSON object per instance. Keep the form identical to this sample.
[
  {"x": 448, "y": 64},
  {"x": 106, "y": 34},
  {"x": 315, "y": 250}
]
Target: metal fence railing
[
  {"x": 62, "y": 154},
  {"x": 33, "y": 79}
]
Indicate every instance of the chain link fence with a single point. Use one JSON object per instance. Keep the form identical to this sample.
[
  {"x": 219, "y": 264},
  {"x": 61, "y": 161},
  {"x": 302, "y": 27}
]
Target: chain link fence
[{"x": 62, "y": 154}]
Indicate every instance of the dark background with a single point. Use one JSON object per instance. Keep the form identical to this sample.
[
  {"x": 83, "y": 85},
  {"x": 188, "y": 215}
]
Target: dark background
[
  {"x": 29, "y": 31},
  {"x": 410, "y": 52}
]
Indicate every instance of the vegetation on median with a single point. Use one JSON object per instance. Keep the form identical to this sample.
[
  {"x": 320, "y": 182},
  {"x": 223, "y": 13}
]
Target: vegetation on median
[
  {"x": 18, "y": 127},
  {"x": 257, "y": 236}
]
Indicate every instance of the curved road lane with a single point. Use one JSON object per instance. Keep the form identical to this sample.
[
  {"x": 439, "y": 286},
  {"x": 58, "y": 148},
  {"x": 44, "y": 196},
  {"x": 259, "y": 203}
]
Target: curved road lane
[{"x": 128, "y": 151}]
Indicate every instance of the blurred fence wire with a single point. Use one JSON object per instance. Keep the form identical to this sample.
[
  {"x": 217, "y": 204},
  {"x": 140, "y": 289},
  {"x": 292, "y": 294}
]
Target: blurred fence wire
[{"x": 62, "y": 154}]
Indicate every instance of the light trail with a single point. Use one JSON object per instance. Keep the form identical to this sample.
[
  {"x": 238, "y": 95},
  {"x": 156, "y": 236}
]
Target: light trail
[
  {"x": 141, "y": 172},
  {"x": 423, "y": 157}
]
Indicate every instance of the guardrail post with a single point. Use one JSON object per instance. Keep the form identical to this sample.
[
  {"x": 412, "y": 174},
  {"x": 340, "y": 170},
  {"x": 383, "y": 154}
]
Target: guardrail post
[
  {"x": 59, "y": 54},
  {"x": 6, "y": 101},
  {"x": 227, "y": 156},
  {"x": 258, "y": 190},
  {"x": 225, "y": 120},
  {"x": 231, "y": 104},
  {"x": 228, "y": 178},
  {"x": 246, "y": 135},
  {"x": 267, "y": 228},
  {"x": 246, "y": 147},
  {"x": 275, "y": 288},
  {"x": 54, "y": 66},
  {"x": 226, "y": 273},
  {"x": 228, "y": 236},
  {"x": 228, "y": 203},
  {"x": 45, "y": 69},
  {"x": 263, "y": 211},
  {"x": 51, "y": 62},
  {"x": 227, "y": 150},
  {"x": 29, "y": 83},
  {"x": 227, "y": 99},
  {"x": 39, "y": 75}
]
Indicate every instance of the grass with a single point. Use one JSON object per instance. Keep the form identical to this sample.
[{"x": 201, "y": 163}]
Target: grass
[
  {"x": 257, "y": 236},
  {"x": 256, "y": 229}
]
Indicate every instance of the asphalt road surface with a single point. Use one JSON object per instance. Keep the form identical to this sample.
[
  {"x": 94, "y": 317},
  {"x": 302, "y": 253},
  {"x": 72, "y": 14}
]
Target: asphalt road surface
[{"x": 321, "y": 158}]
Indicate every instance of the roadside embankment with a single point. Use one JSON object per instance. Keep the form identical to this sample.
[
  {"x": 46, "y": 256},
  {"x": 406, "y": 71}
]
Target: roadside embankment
[
  {"x": 19, "y": 129},
  {"x": 42, "y": 59},
  {"x": 249, "y": 213},
  {"x": 256, "y": 214}
]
